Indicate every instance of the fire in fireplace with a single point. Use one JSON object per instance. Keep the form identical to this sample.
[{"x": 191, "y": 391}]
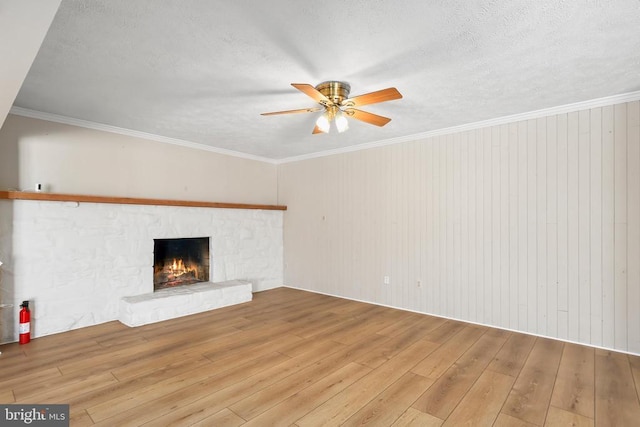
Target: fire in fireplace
[{"x": 178, "y": 262}]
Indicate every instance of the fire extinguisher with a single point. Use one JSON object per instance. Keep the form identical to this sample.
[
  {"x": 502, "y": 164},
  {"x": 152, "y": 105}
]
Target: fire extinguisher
[{"x": 25, "y": 323}]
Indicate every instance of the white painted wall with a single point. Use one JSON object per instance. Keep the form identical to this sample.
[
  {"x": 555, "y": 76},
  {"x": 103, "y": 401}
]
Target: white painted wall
[
  {"x": 74, "y": 262},
  {"x": 23, "y": 25},
  {"x": 532, "y": 226},
  {"x": 71, "y": 159}
]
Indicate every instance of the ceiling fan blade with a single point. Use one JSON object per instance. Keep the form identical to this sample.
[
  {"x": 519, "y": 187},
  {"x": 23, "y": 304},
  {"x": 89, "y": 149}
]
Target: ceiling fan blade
[
  {"x": 370, "y": 118},
  {"x": 301, "y": 110},
  {"x": 312, "y": 92},
  {"x": 316, "y": 130},
  {"x": 373, "y": 97}
]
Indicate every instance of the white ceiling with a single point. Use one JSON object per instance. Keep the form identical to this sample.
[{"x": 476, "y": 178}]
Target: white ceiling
[{"x": 203, "y": 71}]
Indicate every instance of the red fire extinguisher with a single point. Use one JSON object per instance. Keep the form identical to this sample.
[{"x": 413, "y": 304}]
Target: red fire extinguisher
[{"x": 25, "y": 323}]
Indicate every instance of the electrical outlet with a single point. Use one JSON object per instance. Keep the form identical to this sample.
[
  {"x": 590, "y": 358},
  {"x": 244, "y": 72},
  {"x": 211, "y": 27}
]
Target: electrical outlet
[
  {"x": 419, "y": 283},
  {"x": 386, "y": 280}
]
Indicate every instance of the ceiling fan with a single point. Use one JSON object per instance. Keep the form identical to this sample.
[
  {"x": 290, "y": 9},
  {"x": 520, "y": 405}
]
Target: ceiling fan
[{"x": 333, "y": 96}]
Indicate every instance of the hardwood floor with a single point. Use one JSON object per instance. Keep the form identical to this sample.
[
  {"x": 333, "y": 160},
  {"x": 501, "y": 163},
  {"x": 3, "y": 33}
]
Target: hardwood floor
[{"x": 293, "y": 358}]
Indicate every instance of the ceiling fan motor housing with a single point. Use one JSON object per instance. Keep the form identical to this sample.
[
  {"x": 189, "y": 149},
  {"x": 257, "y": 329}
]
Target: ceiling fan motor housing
[{"x": 334, "y": 90}]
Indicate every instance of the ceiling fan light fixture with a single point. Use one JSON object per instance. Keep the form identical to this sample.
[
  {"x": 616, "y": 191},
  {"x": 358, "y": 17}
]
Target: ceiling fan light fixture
[
  {"x": 323, "y": 123},
  {"x": 342, "y": 124}
]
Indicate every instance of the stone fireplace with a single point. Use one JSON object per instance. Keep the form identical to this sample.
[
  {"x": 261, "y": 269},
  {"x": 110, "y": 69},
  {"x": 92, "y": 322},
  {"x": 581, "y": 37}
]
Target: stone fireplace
[
  {"x": 178, "y": 262},
  {"x": 76, "y": 262}
]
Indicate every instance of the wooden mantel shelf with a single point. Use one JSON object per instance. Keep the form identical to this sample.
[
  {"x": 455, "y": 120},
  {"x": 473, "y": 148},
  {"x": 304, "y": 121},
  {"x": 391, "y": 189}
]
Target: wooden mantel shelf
[{"x": 56, "y": 197}]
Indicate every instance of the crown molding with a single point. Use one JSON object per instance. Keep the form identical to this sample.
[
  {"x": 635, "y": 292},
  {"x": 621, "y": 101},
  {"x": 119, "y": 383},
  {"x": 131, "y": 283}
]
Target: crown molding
[
  {"x": 24, "y": 112},
  {"x": 562, "y": 109}
]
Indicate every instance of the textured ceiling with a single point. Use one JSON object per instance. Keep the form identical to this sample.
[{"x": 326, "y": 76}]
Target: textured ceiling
[{"x": 203, "y": 71}]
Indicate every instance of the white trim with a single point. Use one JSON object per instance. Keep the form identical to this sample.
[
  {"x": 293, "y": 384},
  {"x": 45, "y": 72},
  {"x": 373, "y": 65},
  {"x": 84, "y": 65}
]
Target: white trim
[
  {"x": 562, "y": 109},
  {"x": 19, "y": 111},
  {"x": 462, "y": 320}
]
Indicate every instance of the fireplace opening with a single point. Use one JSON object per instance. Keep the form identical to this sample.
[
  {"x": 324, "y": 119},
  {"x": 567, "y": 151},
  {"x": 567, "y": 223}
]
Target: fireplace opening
[{"x": 178, "y": 262}]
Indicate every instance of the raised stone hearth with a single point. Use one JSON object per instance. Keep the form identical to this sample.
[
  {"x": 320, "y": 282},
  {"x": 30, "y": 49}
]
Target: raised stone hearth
[{"x": 181, "y": 301}]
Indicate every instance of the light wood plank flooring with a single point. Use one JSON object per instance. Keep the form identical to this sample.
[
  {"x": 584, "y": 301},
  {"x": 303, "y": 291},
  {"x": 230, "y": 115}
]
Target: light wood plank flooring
[{"x": 294, "y": 358}]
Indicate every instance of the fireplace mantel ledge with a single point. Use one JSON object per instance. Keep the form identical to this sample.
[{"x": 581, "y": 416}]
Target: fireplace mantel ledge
[{"x": 80, "y": 198}]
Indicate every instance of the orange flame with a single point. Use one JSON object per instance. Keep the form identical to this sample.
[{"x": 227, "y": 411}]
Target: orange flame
[{"x": 178, "y": 268}]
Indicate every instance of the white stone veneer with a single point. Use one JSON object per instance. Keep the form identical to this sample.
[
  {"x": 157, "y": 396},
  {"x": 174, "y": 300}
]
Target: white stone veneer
[{"x": 75, "y": 261}]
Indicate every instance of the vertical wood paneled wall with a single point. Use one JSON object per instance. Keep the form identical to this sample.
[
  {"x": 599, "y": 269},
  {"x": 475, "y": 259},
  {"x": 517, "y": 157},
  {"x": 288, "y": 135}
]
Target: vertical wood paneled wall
[{"x": 532, "y": 226}]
